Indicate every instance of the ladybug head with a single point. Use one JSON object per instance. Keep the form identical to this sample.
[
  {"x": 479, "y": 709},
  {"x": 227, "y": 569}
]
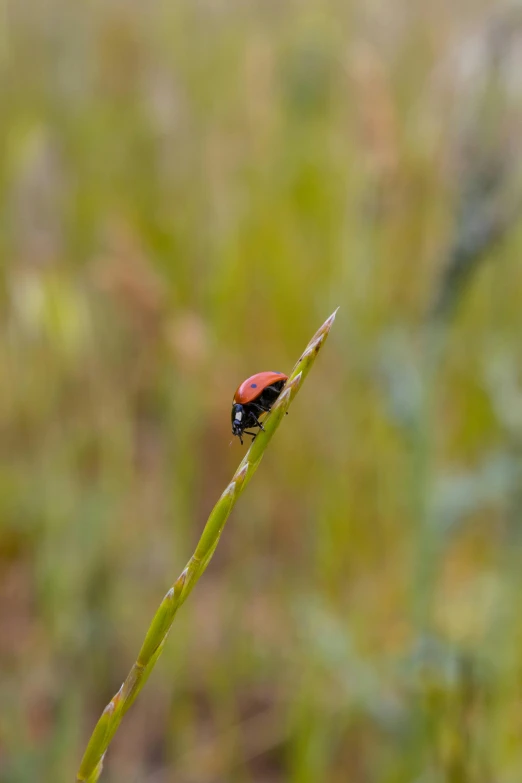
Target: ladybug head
[{"x": 238, "y": 420}]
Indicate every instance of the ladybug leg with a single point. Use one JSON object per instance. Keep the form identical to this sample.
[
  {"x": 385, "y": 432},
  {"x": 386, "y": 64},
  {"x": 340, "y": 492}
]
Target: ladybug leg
[
  {"x": 263, "y": 410},
  {"x": 253, "y": 434},
  {"x": 257, "y": 423}
]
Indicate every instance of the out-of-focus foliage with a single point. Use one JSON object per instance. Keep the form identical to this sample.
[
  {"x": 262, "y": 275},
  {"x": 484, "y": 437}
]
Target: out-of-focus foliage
[{"x": 186, "y": 189}]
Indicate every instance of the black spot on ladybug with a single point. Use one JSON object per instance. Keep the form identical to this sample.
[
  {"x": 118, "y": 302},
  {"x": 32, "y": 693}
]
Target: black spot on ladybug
[{"x": 253, "y": 385}]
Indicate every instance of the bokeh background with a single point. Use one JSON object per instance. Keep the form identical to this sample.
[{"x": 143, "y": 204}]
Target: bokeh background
[{"x": 188, "y": 189}]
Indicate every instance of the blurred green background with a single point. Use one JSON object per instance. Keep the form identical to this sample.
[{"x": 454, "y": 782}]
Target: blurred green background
[{"x": 187, "y": 190}]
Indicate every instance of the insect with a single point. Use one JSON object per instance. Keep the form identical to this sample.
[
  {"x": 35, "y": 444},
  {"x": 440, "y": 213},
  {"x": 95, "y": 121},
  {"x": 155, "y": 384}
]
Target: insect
[{"x": 254, "y": 397}]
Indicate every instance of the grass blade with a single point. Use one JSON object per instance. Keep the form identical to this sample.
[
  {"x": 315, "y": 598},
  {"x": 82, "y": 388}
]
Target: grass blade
[{"x": 92, "y": 762}]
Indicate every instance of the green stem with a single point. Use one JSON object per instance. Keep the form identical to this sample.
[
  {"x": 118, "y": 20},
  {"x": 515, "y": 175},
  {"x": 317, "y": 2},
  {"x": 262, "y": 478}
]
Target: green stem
[{"x": 92, "y": 762}]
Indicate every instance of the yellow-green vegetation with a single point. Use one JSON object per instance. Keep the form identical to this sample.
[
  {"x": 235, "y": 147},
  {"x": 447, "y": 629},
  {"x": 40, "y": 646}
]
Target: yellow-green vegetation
[
  {"x": 152, "y": 647},
  {"x": 186, "y": 190}
]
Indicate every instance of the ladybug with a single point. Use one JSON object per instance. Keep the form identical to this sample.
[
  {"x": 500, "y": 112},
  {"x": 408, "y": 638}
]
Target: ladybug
[{"x": 254, "y": 397}]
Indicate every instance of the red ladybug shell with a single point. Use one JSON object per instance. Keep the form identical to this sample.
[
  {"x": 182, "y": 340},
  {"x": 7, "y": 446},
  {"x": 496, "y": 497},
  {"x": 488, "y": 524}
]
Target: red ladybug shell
[{"x": 254, "y": 386}]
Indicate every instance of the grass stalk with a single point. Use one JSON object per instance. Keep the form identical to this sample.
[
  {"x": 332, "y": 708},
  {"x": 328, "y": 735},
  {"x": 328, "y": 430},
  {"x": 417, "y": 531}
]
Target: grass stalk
[{"x": 92, "y": 762}]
